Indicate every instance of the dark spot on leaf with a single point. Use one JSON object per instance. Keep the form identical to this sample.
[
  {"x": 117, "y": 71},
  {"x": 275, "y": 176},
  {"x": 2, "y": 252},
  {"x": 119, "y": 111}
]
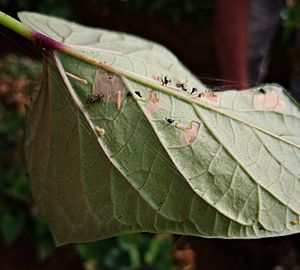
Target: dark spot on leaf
[
  {"x": 138, "y": 93},
  {"x": 94, "y": 98},
  {"x": 165, "y": 80},
  {"x": 262, "y": 91},
  {"x": 182, "y": 86},
  {"x": 194, "y": 90},
  {"x": 170, "y": 121}
]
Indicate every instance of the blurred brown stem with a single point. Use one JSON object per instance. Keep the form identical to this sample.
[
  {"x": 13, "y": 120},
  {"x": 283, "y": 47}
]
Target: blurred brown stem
[{"x": 231, "y": 39}]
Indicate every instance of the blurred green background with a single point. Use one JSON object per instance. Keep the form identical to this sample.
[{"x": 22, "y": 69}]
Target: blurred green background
[{"x": 25, "y": 241}]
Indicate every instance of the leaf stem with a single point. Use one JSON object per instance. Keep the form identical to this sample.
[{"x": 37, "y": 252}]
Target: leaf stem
[
  {"x": 16, "y": 26},
  {"x": 26, "y": 32}
]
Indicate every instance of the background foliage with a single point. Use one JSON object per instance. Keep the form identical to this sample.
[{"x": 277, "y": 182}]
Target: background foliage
[{"x": 175, "y": 9}]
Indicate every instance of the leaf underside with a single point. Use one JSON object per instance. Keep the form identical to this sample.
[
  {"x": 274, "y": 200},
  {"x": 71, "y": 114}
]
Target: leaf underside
[{"x": 103, "y": 160}]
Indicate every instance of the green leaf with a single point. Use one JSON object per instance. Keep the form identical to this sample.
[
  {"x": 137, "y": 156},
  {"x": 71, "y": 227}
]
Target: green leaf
[
  {"x": 103, "y": 160},
  {"x": 159, "y": 250},
  {"x": 11, "y": 226},
  {"x": 130, "y": 246}
]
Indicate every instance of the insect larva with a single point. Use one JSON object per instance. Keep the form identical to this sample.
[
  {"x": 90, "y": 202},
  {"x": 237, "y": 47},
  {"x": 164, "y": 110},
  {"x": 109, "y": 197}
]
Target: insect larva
[
  {"x": 100, "y": 131},
  {"x": 94, "y": 98},
  {"x": 294, "y": 222},
  {"x": 83, "y": 81},
  {"x": 119, "y": 99}
]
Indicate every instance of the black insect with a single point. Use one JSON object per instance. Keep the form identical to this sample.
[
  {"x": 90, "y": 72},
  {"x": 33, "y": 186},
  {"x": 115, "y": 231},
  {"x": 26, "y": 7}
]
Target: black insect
[
  {"x": 262, "y": 91},
  {"x": 128, "y": 94},
  {"x": 165, "y": 80},
  {"x": 194, "y": 90},
  {"x": 94, "y": 98},
  {"x": 200, "y": 95},
  {"x": 138, "y": 93},
  {"x": 182, "y": 86},
  {"x": 170, "y": 121}
]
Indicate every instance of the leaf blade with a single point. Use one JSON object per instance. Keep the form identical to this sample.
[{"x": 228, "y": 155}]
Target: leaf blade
[{"x": 205, "y": 176}]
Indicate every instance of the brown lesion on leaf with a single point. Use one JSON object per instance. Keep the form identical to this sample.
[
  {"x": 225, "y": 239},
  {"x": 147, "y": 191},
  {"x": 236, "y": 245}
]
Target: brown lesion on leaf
[
  {"x": 188, "y": 133},
  {"x": 268, "y": 101},
  {"x": 211, "y": 96},
  {"x": 110, "y": 86},
  {"x": 153, "y": 102}
]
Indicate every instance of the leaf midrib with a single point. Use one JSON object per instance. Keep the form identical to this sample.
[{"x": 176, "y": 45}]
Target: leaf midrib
[
  {"x": 155, "y": 85},
  {"x": 67, "y": 49},
  {"x": 192, "y": 101}
]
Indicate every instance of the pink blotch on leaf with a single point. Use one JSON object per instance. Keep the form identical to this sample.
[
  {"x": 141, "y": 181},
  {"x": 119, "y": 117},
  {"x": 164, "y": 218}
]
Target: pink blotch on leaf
[
  {"x": 212, "y": 97},
  {"x": 280, "y": 105},
  {"x": 189, "y": 134},
  {"x": 110, "y": 86},
  {"x": 268, "y": 101},
  {"x": 153, "y": 103}
]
